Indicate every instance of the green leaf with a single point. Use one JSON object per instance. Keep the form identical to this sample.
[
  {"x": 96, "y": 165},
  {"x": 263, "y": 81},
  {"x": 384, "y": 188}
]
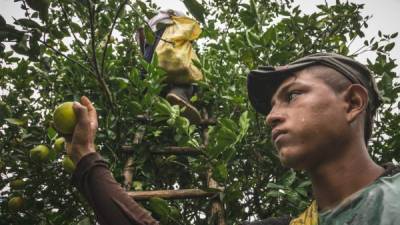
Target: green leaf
[
  {"x": 51, "y": 133},
  {"x": 305, "y": 184},
  {"x": 28, "y": 23},
  {"x": 394, "y": 35},
  {"x": 229, "y": 124},
  {"x": 121, "y": 82},
  {"x": 220, "y": 172},
  {"x": 197, "y": 63},
  {"x": 163, "y": 107},
  {"x": 389, "y": 47},
  {"x": 374, "y": 46},
  {"x": 273, "y": 194},
  {"x": 21, "y": 47},
  {"x": 75, "y": 28},
  {"x": 2, "y": 47},
  {"x": 289, "y": 178},
  {"x": 84, "y": 221},
  {"x": 253, "y": 9},
  {"x": 275, "y": 186},
  {"x": 38, "y": 5},
  {"x": 244, "y": 123},
  {"x": 15, "y": 121},
  {"x": 149, "y": 35},
  {"x": 2, "y": 21},
  {"x": 269, "y": 36},
  {"x": 137, "y": 185},
  {"x": 196, "y": 9},
  {"x": 247, "y": 18},
  {"x": 135, "y": 108},
  {"x": 159, "y": 206}
]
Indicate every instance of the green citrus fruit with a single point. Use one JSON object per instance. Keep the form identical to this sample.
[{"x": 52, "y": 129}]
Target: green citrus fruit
[
  {"x": 40, "y": 153},
  {"x": 16, "y": 203},
  {"x": 17, "y": 184},
  {"x": 64, "y": 118},
  {"x": 59, "y": 144},
  {"x": 68, "y": 165}
]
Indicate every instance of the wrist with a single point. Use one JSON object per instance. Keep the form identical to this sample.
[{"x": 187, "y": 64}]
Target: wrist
[{"x": 80, "y": 151}]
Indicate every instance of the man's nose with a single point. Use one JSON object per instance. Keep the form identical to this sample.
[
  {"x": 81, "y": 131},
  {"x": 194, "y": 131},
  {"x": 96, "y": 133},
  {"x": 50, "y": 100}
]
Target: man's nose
[{"x": 274, "y": 117}]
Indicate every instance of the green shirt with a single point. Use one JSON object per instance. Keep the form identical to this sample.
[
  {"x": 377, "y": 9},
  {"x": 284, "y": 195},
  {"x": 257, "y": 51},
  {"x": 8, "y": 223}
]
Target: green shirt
[{"x": 376, "y": 204}]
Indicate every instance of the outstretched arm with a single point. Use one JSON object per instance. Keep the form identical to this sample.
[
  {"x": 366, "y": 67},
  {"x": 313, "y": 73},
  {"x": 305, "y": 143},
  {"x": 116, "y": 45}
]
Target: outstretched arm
[{"x": 110, "y": 202}]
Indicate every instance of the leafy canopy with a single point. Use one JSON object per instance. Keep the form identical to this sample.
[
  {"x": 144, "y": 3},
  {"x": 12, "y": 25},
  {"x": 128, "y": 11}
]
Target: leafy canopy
[{"x": 63, "y": 49}]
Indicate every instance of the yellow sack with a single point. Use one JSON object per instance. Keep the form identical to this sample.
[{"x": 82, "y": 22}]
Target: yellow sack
[
  {"x": 308, "y": 217},
  {"x": 175, "y": 52}
]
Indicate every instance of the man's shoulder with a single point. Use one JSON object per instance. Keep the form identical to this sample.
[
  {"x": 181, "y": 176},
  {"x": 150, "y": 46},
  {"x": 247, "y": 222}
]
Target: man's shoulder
[
  {"x": 391, "y": 171},
  {"x": 284, "y": 220}
]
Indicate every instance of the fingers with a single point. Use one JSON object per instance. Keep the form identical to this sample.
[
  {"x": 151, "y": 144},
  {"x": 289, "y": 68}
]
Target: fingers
[
  {"x": 86, "y": 102},
  {"x": 81, "y": 112},
  {"x": 91, "y": 109}
]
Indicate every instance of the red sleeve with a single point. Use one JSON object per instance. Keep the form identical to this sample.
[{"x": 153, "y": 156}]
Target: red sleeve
[{"x": 110, "y": 202}]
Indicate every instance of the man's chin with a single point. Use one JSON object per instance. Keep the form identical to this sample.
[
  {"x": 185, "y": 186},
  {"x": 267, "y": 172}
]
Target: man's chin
[{"x": 291, "y": 161}]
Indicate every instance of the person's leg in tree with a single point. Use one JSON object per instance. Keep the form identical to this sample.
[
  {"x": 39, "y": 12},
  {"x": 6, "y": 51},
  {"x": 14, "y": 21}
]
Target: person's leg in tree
[{"x": 180, "y": 95}]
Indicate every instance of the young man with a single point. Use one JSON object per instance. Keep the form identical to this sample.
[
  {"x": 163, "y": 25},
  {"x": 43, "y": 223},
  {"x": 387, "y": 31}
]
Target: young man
[{"x": 321, "y": 109}]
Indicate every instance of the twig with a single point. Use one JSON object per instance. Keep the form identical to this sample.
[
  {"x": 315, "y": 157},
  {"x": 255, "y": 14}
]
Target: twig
[
  {"x": 94, "y": 58},
  {"x": 62, "y": 54},
  {"x": 139, "y": 16},
  {"x": 73, "y": 34},
  {"x": 120, "y": 8},
  {"x": 92, "y": 34}
]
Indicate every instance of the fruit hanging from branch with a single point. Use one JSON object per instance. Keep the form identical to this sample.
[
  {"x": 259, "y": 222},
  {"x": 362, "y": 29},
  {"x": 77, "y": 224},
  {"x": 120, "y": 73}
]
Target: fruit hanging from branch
[{"x": 40, "y": 153}]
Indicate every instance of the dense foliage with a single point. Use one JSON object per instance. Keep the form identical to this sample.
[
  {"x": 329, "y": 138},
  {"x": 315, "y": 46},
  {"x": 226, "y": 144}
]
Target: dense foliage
[{"x": 63, "y": 49}]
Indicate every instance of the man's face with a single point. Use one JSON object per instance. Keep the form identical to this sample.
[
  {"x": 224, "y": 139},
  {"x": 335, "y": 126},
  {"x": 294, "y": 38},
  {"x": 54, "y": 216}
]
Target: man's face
[{"x": 308, "y": 121}]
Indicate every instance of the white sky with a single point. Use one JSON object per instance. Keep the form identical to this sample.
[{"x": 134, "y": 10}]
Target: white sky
[{"x": 385, "y": 13}]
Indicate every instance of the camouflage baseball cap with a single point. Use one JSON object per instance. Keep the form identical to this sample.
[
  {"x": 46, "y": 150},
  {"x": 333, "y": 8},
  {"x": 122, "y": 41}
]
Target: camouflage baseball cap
[{"x": 265, "y": 80}]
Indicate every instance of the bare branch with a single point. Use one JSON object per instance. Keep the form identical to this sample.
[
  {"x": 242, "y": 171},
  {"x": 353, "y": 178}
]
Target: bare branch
[{"x": 171, "y": 194}]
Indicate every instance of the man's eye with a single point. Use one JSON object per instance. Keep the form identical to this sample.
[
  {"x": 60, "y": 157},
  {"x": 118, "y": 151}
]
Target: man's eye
[{"x": 292, "y": 95}]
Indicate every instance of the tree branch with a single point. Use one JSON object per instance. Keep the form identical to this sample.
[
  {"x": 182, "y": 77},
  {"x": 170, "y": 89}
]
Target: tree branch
[
  {"x": 68, "y": 58},
  {"x": 120, "y": 8},
  {"x": 92, "y": 35},
  {"x": 171, "y": 194},
  {"x": 94, "y": 58},
  {"x": 73, "y": 34}
]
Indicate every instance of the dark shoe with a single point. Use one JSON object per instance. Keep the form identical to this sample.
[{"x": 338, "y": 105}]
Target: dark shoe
[{"x": 179, "y": 95}]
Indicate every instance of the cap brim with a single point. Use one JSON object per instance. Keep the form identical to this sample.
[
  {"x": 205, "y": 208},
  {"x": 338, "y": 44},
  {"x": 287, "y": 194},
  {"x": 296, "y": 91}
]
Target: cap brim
[{"x": 263, "y": 82}]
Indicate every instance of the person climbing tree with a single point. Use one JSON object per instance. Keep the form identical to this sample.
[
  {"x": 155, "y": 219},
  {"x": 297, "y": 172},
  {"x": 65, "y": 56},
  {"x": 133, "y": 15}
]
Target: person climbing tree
[{"x": 174, "y": 34}]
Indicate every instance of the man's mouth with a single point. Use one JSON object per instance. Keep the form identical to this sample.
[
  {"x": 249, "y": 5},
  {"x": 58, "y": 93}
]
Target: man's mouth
[{"x": 276, "y": 133}]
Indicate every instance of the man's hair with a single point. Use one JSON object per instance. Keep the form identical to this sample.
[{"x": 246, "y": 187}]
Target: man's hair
[{"x": 339, "y": 83}]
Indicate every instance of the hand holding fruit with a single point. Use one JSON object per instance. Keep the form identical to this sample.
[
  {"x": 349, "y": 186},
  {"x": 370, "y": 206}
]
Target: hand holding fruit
[{"x": 79, "y": 139}]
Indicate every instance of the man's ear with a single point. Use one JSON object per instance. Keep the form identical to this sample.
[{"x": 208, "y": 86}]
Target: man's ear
[{"x": 356, "y": 97}]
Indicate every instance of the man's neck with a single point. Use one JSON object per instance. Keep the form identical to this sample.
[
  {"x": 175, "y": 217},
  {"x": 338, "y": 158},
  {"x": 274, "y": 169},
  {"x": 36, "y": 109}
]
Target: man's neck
[{"x": 335, "y": 180}]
